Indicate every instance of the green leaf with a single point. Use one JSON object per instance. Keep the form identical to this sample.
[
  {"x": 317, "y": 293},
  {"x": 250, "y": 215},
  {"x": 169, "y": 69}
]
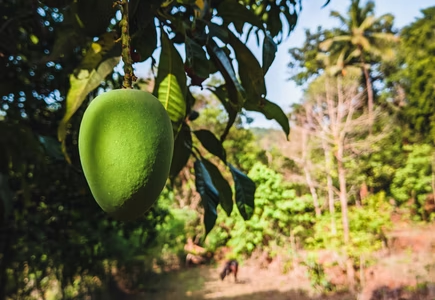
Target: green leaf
[
  {"x": 211, "y": 143},
  {"x": 196, "y": 58},
  {"x": 218, "y": 31},
  {"x": 222, "y": 185},
  {"x": 245, "y": 193},
  {"x": 269, "y": 52},
  {"x": 144, "y": 41},
  {"x": 190, "y": 101},
  {"x": 182, "y": 146},
  {"x": 272, "y": 112},
  {"x": 91, "y": 71},
  {"x": 221, "y": 94},
  {"x": 233, "y": 12},
  {"x": 6, "y": 197},
  {"x": 274, "y": 24},
  {"x": 250, "y": 72},
  {"x": 80, "y": 86},
  {"x": 236, "y": 92},
  {"x": 170, "y": 87},
  {"x": 209, "y": 195},
  {"x": 93, "y": 17},
  {"x": 291, "y": 17}
]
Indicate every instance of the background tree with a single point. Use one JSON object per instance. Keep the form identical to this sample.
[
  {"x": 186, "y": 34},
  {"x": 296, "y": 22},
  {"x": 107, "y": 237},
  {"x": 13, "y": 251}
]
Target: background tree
[
  {"x": 415, "y": 75},
  {"x": 363, "y": 40}
]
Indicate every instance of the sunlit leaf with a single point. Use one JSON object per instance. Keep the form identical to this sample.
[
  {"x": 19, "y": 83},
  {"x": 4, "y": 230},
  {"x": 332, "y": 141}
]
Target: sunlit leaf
[
  {"x": 271, "y": 111},
  {"x": 170, "y": 87},
  {"x": 80, "y": 86},
  {"x": 211, "y": 143},
  {"x": 269, "y": 52},
  {"x": 99, "y": 51},
  {"x": 209, "y": 195},
  {"x": 245, "y": 193},
  {"x": 222, "y": 186}
]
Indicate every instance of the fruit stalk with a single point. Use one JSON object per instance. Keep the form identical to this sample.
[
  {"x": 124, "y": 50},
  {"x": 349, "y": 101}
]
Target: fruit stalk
[{"x": 129, "y": 76}]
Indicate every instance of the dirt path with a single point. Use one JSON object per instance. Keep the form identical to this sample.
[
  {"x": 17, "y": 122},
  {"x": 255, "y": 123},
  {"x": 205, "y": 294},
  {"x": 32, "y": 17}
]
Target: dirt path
[
  {"x": 204, "y": 283},
  {"x": 407, "y": 273},
  {"x": 394, "y": 280}
]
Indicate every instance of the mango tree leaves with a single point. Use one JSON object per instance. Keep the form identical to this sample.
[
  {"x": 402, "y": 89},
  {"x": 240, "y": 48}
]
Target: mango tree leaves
[
  {"x": 209, "y": 195},
  {"x": 218, "y": 31},
  {"x": 142, "y": 28},
  {"x": 269, "y": 52},
  {"x": 233, "y": 12},
  {"x": 272, "y": 111},
  {"x": 250, "y": 72},
  {"x": 182, "y": 146},
  {"x": 222, "y": 185},
  {"x": 93, "y": 17},
  {"x": 211, "y": 143},
  {"x": 274, "y": 23},
  {"x": 170, "y": 87},
  {"x": 196, "y": 59},
  {"x": 144, "y": 42},
  {"x": 236, "y": 92},
  {"x": 245, "y": 193},
  {"x": 80, "y": 86},
  {"x": 221, "y": 94}
]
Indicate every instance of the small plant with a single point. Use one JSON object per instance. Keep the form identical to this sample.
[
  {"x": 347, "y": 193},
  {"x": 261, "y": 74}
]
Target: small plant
[{"x": 317, "y": 275}]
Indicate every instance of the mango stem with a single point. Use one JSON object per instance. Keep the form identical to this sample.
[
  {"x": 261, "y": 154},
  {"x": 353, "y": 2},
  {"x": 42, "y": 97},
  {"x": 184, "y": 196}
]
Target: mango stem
[{"x": 129, "y": 76}]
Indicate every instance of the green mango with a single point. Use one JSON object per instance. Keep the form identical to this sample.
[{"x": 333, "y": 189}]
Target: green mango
[{"x": 125, "y": 146}]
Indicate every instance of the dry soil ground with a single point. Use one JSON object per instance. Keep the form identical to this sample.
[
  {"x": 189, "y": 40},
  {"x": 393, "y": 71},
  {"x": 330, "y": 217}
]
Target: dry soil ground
[{"x": 407, "y": 272}]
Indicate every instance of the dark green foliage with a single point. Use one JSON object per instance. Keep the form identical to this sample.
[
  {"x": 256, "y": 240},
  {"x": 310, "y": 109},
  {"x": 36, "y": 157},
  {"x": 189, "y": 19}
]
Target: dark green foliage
[
  {"x": 417, "y": 76},
  {"x": 225, "y": 192},
  {"x": 209, "y": 195},
  {"x": 211, "y": 143}
]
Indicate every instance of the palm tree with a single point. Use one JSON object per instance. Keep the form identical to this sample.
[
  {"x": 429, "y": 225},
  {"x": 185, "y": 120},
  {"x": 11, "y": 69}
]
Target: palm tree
[{"x": 362, "y": 41}]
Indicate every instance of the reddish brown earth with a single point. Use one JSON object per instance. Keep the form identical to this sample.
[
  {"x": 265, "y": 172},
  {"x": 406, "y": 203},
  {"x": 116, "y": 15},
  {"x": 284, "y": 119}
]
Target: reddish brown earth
[{"x": 405, "y": 272}]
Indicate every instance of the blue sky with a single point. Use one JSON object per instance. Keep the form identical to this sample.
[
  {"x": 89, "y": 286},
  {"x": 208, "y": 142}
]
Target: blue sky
[{"x": 284, "y": 92}]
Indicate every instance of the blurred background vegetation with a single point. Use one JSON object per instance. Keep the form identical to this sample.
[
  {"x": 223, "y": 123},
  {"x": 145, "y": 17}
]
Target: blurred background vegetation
[{"x": 358, "y": 165}]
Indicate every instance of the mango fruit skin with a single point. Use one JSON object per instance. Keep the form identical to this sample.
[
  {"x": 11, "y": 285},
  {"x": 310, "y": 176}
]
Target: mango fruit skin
[{"x": 125, "y": 146}]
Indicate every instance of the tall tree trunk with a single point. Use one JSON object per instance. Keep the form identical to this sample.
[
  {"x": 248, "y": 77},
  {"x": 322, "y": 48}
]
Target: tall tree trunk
[
  {"x": 313, "y": 192},
  {"x": 339, "y": 140},
  {"x": 307, "y": 173},
  {"x": 328, "y": 162},
  {"x": 369, "y": 87},
  {"x": 343, "y": 193},
  {"x": 329, "y": 185},
  {"x": 350, "y": 271}
]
